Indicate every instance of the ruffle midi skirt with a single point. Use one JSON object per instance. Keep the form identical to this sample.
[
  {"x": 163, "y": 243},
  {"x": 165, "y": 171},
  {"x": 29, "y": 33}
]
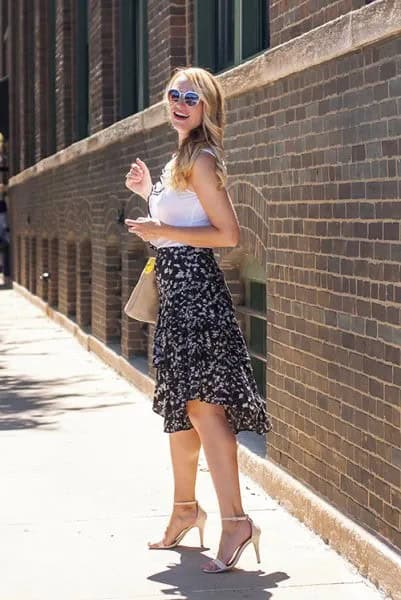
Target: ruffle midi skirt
[{"x": 199, "y": 351}]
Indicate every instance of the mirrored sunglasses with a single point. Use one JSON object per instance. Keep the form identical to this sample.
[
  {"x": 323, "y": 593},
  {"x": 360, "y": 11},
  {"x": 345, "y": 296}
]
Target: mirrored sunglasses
[{"x": 190, "y": 98}]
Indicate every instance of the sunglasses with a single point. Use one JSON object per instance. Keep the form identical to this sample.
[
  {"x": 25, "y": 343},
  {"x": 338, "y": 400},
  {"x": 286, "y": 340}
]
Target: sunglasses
[{"x": 190, "y": 98}]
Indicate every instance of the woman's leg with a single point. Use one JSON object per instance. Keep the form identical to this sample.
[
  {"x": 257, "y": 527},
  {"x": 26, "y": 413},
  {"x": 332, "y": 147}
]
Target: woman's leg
[
  {"x": 184, "y": 451},
  {"x": 220, "y": 447}
]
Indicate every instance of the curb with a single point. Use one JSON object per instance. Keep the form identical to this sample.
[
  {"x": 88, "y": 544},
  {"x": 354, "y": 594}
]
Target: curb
[{"x": 372, "y": 558}]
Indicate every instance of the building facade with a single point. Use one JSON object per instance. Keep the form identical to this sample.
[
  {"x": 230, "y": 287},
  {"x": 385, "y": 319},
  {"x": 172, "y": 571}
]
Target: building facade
[{"x": 314, "y": 158}]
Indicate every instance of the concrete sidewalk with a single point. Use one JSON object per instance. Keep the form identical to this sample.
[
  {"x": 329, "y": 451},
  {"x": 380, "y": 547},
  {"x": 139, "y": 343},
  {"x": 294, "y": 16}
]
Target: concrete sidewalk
[{"x": 85, "y": 482}]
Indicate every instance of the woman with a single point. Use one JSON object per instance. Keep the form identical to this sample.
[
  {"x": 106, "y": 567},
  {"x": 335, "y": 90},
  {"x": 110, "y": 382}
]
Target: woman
[{"x": 205, "y": 387}]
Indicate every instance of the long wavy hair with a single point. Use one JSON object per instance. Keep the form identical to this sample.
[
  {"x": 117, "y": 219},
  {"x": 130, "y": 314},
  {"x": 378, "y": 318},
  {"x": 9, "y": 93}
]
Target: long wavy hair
[{"x": 208, "y": 134}]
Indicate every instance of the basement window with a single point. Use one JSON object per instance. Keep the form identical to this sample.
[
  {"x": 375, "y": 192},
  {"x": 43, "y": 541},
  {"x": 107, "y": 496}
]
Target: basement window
[{"x": 253, "y": 316}]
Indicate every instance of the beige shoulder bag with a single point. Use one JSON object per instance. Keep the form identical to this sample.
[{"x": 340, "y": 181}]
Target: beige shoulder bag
[{"x": 143, "y": 303}]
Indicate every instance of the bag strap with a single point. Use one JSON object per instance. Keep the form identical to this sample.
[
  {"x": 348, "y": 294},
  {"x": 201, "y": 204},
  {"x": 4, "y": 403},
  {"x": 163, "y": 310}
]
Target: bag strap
[{"x": 149, "y": 214}]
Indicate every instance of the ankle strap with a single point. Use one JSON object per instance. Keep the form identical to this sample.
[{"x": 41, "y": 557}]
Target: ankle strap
[
  {"x": 187, "y": 502},
  {"x": 242, "y": 518}
]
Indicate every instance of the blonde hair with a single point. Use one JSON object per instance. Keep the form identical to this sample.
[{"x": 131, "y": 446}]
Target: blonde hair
[{"x": 208, "y": 134}]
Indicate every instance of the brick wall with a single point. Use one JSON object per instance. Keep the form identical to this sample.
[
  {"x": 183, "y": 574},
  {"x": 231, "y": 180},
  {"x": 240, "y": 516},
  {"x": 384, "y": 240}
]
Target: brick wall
[
  {"x": 190, "y": 18},
  {"x": 41, "y": 80},
  {"x": 332, "y": 178},
  {"x": 64, "y": 72},
  {"x": 116, "y": 59},
  {"x": 25, "y": 68},
  {"x": 167, "y": 43},
  {"x": 288, "y": 20},
  {"x": 102, "y": 63},
  {"x": 14, "y": 97}
]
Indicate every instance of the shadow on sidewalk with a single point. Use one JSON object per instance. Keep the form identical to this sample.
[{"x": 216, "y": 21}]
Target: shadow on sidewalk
[
  {"x": 186, "y": 580},
  {"x": 29, "y": 403}
]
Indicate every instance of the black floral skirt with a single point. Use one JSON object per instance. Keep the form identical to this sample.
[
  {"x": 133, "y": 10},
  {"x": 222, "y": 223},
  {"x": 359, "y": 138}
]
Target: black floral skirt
[{"x": 199, "y": 350}]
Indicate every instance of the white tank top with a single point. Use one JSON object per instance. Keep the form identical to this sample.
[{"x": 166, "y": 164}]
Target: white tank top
[{"x": 176, "y": 208}]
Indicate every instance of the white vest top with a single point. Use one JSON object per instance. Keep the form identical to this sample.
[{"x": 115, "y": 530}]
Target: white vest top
[{"x": 176, "y": 208}]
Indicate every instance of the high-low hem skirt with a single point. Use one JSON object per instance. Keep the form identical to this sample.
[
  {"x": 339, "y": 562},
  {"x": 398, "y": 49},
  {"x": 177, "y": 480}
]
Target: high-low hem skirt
[{"x": 199, "y": 351}]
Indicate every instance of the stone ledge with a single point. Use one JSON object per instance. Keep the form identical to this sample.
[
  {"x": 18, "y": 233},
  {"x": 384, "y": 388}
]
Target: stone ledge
[
  {"x": 367, "y": 25},
  {"x": 373, "y": 559}
]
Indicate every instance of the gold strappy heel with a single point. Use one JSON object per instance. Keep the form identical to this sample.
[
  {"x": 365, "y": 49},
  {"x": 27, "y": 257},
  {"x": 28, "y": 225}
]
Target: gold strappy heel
[
  {"x": 253, "y": 538},
  {"x": 199, "y": 523}
]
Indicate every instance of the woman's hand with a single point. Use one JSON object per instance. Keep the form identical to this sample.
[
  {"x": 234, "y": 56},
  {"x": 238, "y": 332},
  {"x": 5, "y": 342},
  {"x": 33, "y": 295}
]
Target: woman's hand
[
  {"x": 146, "y": 229},
  {"x": 138, "y": 179}
]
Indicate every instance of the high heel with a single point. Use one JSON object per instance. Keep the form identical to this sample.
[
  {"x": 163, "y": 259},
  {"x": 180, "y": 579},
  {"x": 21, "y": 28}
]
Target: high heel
[
  {"x": 200, "y": 522},
  {"x": 254, "y": 538}
]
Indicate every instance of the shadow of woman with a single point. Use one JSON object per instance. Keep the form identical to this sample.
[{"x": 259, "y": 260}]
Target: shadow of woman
[{"x": 186, "y": 581}]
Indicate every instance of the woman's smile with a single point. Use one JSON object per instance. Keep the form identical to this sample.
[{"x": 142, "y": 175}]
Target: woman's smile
[{"x": 179, "y": 115}]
